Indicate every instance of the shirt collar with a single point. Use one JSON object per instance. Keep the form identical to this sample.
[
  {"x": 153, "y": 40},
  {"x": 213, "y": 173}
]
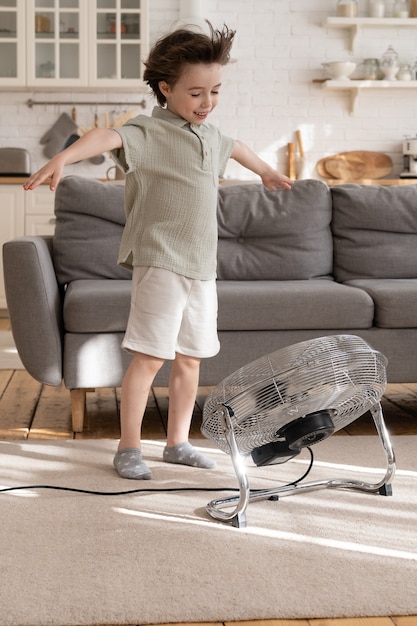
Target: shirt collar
[{"x": 168, "y": 116}]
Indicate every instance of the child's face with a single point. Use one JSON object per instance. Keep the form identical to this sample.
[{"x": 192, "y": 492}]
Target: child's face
[{"x": 196, "y": 93}]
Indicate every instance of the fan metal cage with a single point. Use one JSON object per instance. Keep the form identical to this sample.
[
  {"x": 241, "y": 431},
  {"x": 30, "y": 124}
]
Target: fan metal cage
[
  {"x": 288, "y": 400},
  {"x": 340, "y": 374}
]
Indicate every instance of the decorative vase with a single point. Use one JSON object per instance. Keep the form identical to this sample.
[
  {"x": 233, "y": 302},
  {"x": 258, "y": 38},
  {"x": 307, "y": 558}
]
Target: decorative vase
[{"x": 390, "y": 64}]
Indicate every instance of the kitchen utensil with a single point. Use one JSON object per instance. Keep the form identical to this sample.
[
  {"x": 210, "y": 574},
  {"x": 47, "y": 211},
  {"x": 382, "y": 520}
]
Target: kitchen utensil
[
  {"x": 355, "y": 164},
  {"x": 409, "y": 158},
  {"x": 75, "y": 136},
  {"x": 116, "y": 173},
  {"x": 321, "y": 170},
  {"x": 303, "y": 166},
  {"x": 98, "y": 159},
  {"x": 291, "y": 169},
  {"x": 14, "y": 162},
  {"x": 346, "y": 166},
  {"x": 300, "y": 160}
]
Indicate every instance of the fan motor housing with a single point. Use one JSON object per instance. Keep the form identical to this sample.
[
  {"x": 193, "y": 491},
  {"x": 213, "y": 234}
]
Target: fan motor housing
[
  {"x": 298, "y": 434},
  {"x": 308, "y": 430}
]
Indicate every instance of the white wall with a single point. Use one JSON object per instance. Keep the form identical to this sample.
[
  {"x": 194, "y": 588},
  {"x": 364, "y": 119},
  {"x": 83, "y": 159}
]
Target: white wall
[{"x": 268, "y": 92}]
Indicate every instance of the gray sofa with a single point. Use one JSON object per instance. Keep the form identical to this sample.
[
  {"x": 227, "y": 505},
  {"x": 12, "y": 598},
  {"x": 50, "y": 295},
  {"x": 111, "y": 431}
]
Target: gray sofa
[{"x": 291, "y": 266}]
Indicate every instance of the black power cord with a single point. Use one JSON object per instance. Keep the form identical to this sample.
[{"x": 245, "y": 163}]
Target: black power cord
[{"x": 152, "y": 490}]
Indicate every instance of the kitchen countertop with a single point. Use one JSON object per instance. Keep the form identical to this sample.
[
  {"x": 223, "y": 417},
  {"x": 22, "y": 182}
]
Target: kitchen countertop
[
  {"x": 19, "y": 180},
  {"x": 12, "y": 180},
  {"x": 372, "y": 181}
]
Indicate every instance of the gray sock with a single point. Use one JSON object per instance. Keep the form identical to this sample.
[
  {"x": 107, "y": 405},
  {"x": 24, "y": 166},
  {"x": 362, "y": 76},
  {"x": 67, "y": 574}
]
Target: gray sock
[
  {"x": 128, "y": 464},
  {"x": 186, "y": 454}
]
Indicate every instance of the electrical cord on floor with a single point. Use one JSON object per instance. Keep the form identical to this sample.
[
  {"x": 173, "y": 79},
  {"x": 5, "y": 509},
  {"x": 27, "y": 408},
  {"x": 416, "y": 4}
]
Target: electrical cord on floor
[{"x": 152, "y": 490}]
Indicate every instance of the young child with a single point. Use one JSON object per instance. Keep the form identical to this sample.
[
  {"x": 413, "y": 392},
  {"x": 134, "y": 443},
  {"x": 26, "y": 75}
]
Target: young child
[{"x": 173, "y": 161}]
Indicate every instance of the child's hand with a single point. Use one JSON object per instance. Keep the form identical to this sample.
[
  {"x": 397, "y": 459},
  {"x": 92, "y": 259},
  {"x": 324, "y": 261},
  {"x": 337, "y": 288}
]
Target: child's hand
[
  {"x": 273, "y": 180},
  {"x": 53, "y": 170}
]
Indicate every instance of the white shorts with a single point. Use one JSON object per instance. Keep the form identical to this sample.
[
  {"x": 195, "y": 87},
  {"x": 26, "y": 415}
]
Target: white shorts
[{"x": 170, "y": 313}]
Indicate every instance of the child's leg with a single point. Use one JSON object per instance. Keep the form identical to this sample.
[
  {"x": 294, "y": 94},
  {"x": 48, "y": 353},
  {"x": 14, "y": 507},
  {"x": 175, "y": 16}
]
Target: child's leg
[
  {"x": 183, "y": 386},
  {"x": 136, "y": 386}
]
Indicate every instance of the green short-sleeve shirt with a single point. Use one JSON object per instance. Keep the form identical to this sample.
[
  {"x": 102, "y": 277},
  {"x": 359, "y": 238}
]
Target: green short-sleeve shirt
[{"x": 172, "y": 172}]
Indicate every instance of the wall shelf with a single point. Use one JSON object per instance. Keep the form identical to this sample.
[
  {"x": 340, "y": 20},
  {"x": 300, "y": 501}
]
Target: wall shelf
[
  {"x": 356, "y": 86},
  {"x": 355, "y": 24}
]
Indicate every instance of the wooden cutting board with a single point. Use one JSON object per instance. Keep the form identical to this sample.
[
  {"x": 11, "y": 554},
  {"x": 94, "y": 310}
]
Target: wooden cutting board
[{"x": 355, "y": 165}]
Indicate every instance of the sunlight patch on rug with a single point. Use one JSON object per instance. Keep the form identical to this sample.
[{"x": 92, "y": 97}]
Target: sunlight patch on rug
[{"x": 279, "y": 534}]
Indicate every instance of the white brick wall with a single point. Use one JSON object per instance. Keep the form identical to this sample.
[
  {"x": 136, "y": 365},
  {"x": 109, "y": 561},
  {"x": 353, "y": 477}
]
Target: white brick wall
[{"x": 268, "y": 92}]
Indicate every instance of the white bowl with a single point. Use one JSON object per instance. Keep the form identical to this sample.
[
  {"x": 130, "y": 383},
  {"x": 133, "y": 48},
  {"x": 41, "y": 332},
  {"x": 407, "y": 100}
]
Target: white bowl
[{"x": 340, "y": 70}]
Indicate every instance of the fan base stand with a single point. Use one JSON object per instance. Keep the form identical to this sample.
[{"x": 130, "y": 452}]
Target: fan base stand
[{"x": 238, "y": 516}]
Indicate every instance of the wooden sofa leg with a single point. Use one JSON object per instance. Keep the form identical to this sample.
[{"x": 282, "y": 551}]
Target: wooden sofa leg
[{"x": 78, "y": 409}]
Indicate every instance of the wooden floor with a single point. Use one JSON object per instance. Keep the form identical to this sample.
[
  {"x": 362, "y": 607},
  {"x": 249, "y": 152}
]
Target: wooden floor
[{"x": 29, "y": 410}]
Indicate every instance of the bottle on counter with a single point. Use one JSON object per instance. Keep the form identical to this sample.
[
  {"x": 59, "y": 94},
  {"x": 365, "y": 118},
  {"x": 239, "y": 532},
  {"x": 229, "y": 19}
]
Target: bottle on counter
[
  {"x": 376, "y": 8},
  {"x": 347, "y": 8}
]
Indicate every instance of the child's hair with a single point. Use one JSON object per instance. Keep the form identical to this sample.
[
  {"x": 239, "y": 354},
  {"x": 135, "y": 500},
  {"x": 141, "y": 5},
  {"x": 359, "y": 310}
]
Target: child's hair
[{"x": 168, "y": 56}]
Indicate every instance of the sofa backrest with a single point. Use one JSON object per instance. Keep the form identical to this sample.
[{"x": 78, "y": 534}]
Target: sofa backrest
[
  {"x": 374, "y": 231},
  {"x": 280, "y": 235},
  {"x": 90, "y": 217}
]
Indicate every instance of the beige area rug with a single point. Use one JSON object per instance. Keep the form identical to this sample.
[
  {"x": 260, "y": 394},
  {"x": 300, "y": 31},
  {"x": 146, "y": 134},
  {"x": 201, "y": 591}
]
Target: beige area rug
[
  {"x": 9, "y": 359},
  {"x": 69, "y": 558}
]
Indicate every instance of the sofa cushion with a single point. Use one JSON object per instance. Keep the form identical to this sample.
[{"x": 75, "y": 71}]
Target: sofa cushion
[
  {"x": 100, "y": 306},
  {"x": 395, "y": 301},
  {"x": 280, "y": 235},
  {"x": 89, "y": 222},
  {"x": 375, "y": 231},
  {"x": 293, "y": 304}
]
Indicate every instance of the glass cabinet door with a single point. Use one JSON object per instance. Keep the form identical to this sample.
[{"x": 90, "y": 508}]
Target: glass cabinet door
[
  {"x": 12, "y": 42},
  {"x": 120, "y": 36},
  {"x": 57, "y": 43}
]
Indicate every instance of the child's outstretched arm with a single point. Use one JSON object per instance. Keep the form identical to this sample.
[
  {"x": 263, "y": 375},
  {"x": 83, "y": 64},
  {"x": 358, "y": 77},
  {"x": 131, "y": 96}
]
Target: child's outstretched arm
[
  {"x": 272, "y": 179},
  {"x": 94, "y": 142}
]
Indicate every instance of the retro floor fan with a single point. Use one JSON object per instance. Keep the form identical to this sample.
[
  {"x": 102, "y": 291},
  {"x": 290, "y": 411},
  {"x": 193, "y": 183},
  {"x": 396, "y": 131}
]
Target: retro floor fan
[{"x": 291, "y": 399}]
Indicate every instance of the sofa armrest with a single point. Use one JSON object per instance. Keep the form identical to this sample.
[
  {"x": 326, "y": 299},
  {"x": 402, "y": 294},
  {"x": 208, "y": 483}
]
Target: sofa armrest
[{"x": 35, "y": 306}]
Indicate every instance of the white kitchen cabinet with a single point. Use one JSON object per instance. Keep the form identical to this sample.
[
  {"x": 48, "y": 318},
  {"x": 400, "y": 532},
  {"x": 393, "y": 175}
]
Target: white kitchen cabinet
[
  {"x": 73, "y": 43},
  {"x": 12, "y": 43},
  {"x": 56, "y": 39},
  {"x": 11, "y": 223},
  {"x": 118, "y": 35},
  {"x": 39, "y": 211},
  {"x": 24, "y": 213}
]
